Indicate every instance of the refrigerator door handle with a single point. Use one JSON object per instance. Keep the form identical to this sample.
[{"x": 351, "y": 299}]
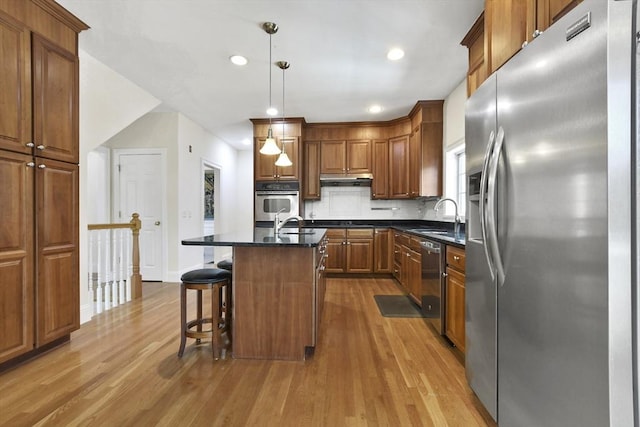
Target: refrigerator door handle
[
  {"x": 483, "y": 202},
  {"x": 491, "y": 206}
]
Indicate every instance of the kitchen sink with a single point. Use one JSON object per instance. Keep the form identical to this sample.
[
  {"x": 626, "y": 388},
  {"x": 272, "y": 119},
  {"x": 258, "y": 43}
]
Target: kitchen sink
[
  {"x": 428, "y": 231},
  {"x": 298, "y": 232}
]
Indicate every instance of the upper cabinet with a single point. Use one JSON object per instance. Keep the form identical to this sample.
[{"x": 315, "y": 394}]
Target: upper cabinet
[
  {"x": 503, "y": 29},
  {"x": 403, "y": 155},
  {"x": 288, "y": 139},
  {"x": 345, "y": 157}
]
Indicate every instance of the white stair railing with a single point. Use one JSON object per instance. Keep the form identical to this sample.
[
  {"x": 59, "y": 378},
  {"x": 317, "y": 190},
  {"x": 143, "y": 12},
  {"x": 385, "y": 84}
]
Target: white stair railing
[{"x": 114, "y": 263}]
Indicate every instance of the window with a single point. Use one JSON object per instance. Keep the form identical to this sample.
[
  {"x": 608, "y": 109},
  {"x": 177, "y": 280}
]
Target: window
[{"x": 455, "y": 179}]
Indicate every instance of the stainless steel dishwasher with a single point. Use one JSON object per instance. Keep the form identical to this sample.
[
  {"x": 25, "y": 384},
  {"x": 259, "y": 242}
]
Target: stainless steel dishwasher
[{"x": 432, "y": 295}]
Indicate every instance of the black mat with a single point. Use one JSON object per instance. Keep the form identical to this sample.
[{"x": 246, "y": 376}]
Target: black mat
[{"x": 397, "y": 306}]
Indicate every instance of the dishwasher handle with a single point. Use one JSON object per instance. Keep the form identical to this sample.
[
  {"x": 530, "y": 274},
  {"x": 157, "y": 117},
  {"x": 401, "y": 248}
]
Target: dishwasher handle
[{"x": 432, "y": 246}]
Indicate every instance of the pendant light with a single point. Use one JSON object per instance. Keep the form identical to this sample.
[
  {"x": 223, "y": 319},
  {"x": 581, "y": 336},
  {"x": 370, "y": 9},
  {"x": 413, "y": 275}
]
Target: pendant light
[
  {"x": 270, "y": 146},
  {"x": 283, "y": 159}
]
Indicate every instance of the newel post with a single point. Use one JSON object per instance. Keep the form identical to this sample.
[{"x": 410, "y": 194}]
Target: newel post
[{"x": 136, "y": 278}]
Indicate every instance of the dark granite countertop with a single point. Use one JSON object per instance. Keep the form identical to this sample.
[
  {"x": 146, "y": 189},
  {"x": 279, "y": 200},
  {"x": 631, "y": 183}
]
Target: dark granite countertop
[{"x": 303, "y": 237}]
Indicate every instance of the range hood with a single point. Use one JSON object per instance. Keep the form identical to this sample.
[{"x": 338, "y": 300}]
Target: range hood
[{"x": 346, "y": 180}]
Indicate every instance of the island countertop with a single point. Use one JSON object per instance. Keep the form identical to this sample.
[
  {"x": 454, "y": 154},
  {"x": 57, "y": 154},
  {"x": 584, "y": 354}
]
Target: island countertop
[{"x": 305, "y": 237}]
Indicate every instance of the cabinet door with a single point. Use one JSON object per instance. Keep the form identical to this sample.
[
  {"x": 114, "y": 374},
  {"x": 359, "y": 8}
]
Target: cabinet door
[
  {"x": 336, "y": 250},
  {"x": 290, "y": 146},
  {"x": 380, "y": 169},
  {"x": 265, "y": 167},
  {"x": 333, "y": 157},
  {"x": 16, "y": 255},
  {"x": 455, "y": 308},
  {"x": 432, "y": 159},
  {"x": 399, "y": 167},
  {"x": 359, "y": 156},
  {"x": 360, "y": 256},
  {"x": 383, "y": 251},
  {"x": 549, "y": 11},
  {"x": 15, "y": 87},
  {"x": 57, "y": 285},
  {"x": 508, "y": 28},
  {"x": 311, "y": 184},
  {"x": 55, "y": 105},
  {"x": 414, "y": 275}
]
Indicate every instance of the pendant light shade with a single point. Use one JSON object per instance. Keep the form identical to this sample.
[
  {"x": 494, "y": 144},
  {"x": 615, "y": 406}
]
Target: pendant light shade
[
  {"x": 283, "y": 159},
  {"x": 270, "y": 146}
]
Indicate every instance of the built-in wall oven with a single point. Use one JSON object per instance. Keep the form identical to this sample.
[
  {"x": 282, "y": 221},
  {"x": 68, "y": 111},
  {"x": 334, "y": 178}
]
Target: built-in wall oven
[{"x": 276, "y": 196}]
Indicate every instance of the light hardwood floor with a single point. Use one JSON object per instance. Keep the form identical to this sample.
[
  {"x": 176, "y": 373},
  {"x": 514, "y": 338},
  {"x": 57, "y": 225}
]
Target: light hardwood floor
[{"x": 121, "y": 369}]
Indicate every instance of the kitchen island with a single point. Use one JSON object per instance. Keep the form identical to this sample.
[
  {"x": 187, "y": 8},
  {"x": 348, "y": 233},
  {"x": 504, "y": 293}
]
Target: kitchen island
[{"x": 278, "y": 290}]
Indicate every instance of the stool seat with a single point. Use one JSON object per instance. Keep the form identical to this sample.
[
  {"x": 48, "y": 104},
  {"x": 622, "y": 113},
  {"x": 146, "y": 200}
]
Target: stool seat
[
  {"x": 226, "y": 264},
  {"x": 206, "y": 275},
  {"x": 218, "y": 281}
]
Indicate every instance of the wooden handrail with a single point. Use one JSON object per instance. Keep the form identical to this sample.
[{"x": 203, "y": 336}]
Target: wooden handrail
[{"x": 134, "y": 225}]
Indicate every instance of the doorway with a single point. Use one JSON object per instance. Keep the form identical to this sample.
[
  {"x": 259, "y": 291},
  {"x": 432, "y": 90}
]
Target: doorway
[
  {"x": 210, "y": 203},
  {"x": 139, "y": 187}
]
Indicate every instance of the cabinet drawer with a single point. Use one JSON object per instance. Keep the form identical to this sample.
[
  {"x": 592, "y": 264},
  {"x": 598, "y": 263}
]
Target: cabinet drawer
[
  {"x": 455, "y": 258},
  {"x": 414, "y": 243},
  {"x": 400, "y": 238},
  {"x": 397, "y": 253},
  {"x": 359, "y": 233},
  {"x": 336, "y": 233}
]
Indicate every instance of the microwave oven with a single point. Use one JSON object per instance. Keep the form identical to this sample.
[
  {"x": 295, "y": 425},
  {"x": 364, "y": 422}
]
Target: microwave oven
[{"x": 276, "y": 197}]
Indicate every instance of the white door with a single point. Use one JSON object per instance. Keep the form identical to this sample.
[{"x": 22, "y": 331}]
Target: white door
[{"x": 139, "y": 189}]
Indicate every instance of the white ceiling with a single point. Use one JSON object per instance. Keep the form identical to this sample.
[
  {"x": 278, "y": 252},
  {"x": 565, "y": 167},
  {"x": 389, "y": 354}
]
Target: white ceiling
[{"x": 178, "y": 50}]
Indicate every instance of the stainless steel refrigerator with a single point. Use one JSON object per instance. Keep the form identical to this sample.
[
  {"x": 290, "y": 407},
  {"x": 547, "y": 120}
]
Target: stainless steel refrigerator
[{"x": 551, "y": 285}]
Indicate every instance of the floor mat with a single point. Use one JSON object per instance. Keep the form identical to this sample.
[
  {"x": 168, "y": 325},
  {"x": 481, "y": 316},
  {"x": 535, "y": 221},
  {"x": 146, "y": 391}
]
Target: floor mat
[{"x": 397, "y": 306}]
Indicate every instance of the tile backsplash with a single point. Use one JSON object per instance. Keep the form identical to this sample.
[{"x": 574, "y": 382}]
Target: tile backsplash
[{"x": 356, "y": 203}]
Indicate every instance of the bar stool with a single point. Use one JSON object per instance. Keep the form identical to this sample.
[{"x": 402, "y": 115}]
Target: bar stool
[
  {"x": 226, "y": 264},
  {"x": 217, "y": 281}
]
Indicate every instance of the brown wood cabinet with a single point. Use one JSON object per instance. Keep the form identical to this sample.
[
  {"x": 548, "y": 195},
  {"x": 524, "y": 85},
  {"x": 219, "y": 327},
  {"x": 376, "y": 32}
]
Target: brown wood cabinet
[
  {"x": 455, "y": 294},
  {"x": 399, "y": 167},
  {"x": 16, "y": 255},
  {"x": 380, "y": 169},
  {"x": 345, "y": 157},
  {"x": 475, "y": 42},
  {"x": 39, "y": 156},
  {"x": 407, "y": 260},
  {"x": 349, "y": 250},
  {"x": 311, "y": 172},
  {"x": 265, "y": 167},
  {"x": 383, "y": 250},
  {"x": 503, "y": 29}
]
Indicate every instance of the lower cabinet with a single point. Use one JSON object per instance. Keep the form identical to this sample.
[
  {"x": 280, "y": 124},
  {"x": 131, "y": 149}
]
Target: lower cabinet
[
  {"x": 455, "y": 294},
  {"x": 383, "y": 250},
  {"x": 407, "y": 264},
  {"x": 350, "y": 250},
  {"x": 39, "y": 262}
]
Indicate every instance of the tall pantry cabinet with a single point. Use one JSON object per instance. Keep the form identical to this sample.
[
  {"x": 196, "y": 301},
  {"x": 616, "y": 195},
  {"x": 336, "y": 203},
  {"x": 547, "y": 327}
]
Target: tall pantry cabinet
[{"x": 39, "y": 154}]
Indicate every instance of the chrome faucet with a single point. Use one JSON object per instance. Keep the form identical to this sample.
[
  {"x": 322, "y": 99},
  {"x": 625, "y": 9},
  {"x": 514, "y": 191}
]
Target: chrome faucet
[
  {"x": 285, "y": 221},
  {"x": 456, "y": 218},
  {"x": 276, "y": 221}
]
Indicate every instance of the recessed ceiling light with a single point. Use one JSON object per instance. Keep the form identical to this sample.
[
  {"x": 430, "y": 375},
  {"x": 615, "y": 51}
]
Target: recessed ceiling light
[
  {"x": 272, "y": 111},
  {"x": 238, "y": 60},
  {"x": 395, "y": 54},
  {"x": 374, "y": 109}
]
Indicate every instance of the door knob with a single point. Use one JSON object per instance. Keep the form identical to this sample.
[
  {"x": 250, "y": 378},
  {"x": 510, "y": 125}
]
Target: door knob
[{"x": 157, "y": 223}]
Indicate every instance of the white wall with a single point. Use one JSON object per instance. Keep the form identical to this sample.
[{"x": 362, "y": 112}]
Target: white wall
[
  {"x": 454, "y": 115},
  {"x": 108, "y": 102}
]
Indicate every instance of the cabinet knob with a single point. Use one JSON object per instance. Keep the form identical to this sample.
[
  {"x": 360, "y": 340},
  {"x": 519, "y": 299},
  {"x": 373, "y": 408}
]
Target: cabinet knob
[
  {"x": 42, "y": 166},
  {"x": 536, "y": 33},
  {"x": 40, "y": 147},
  {"x": 444, "y": 274},
  {"x": 30, "y": 144},
  {"x": 30, "y": 164},
  {"x": 456, "y": 257},
  {"x": 524, "y": 44}
]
